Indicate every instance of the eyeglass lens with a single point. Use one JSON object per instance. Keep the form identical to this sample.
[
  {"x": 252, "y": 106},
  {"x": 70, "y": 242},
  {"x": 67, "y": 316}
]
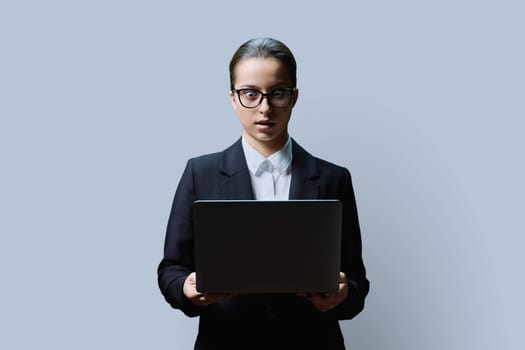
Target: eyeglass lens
[{"x": 251, "y": 98}]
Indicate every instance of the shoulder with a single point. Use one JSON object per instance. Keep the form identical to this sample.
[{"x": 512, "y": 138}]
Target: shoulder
[
  {"x": 322, "y": 166},
  {"x": 206, "y": 158},
  {"x": 222, "y": 159},
  {"x": 325, "y": 164},
  {"x": 333, "y": 172}
]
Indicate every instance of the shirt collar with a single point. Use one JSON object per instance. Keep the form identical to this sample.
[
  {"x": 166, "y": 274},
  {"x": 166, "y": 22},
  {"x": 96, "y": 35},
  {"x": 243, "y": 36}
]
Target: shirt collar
[{"x": 280, "y": 160}]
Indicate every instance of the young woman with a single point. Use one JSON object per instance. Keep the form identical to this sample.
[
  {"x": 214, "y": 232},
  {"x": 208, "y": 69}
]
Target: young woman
[{"x": 264, "y": 164}]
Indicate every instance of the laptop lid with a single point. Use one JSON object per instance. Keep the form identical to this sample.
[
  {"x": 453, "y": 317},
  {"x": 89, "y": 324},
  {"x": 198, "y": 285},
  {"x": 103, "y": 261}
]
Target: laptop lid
[{"x": 249, "y": 246}]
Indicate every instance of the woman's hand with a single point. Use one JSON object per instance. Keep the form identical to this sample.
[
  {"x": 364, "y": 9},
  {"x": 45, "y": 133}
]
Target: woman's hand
[
  {"x": 201, "y": 299},
  {"x": 327, "y": 301}
]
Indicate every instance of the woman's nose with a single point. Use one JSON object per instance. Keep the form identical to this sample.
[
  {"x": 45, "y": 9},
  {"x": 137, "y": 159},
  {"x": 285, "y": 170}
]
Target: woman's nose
[{"x": 264, "y": 107}]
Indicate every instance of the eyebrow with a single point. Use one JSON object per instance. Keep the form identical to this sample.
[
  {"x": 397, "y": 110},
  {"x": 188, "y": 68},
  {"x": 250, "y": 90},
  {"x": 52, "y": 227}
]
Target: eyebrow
[{"x": 272, "y": 87}]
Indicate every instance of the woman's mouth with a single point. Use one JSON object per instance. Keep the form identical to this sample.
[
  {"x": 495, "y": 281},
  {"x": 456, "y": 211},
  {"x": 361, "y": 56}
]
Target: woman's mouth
[{"x": 264, "y": 124}]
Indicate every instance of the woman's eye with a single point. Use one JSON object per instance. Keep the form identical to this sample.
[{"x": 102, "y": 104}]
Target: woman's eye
[
  {"x": 250, "y": 94},
  {"x": 278, "y": 93}
]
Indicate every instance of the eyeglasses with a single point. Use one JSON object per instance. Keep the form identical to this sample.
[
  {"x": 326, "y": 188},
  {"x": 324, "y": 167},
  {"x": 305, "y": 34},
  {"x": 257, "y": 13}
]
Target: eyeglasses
[{"x": 251, "y": 98}]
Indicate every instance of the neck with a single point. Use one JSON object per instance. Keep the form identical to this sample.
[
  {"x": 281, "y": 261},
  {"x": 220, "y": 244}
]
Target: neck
[{"x": 267, "y": 148}]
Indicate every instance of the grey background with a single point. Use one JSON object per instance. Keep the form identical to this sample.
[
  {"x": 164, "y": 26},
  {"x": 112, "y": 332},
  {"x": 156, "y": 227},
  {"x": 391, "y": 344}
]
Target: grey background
[{"x": 102, "y": 102}]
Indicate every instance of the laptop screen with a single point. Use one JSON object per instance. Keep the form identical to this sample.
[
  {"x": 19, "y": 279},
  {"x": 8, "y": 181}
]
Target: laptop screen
[{"x": 250, "y": 246}]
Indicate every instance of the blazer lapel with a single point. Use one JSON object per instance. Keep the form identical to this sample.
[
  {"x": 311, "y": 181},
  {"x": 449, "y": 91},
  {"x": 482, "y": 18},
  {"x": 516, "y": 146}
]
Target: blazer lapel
[
  {"x": 305, "y": 174},
  {"x": 236, "y": 182}
]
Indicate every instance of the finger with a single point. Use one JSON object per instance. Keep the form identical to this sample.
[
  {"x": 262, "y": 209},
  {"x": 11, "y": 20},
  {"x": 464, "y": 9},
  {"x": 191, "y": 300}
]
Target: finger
[{"x": 200, "y": 301}]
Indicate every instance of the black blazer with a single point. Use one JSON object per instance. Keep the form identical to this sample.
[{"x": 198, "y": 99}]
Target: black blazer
[{"x": 266, "y": 321}]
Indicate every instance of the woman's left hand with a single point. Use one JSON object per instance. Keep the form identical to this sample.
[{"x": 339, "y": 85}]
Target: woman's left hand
[{"x": 327, "y": 301}]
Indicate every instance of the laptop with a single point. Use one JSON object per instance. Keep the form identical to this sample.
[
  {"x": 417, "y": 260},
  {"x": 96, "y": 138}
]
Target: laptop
[{"x": 250, "y": 246}]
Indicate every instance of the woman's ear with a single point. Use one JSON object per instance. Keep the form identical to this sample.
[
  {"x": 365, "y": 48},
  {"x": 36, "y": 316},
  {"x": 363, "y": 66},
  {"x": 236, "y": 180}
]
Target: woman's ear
[
  {"x": 232, "y": 99},
  {"x": 295, "y": 96}
]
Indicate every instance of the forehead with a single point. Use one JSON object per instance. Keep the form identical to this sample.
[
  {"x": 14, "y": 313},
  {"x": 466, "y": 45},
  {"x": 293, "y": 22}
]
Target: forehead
[{"x": 261, "y": 72}]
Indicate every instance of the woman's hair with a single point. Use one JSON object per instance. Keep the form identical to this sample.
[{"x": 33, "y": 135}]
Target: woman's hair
[{"x": 265, "y": 48}]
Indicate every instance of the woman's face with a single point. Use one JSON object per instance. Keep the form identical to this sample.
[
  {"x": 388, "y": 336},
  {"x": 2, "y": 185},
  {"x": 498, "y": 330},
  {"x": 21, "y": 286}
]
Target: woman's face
[{"x": 265, "y": 127}]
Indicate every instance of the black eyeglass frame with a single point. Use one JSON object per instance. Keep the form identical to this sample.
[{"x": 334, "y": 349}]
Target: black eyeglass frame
[{"x": 267, "y": 95}]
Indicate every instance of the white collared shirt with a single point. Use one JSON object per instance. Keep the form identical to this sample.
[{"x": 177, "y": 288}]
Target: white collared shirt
[{"x": 271, "y": 177}]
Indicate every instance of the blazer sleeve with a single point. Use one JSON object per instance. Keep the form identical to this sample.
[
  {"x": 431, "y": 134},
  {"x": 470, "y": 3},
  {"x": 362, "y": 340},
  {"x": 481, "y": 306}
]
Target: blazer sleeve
[
  {"x": 178, "y": 260},
  {"x": 351, "y": 256}
]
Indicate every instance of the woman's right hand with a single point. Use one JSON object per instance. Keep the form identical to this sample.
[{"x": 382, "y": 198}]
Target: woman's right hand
[{"x": 198, "y": 298}]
